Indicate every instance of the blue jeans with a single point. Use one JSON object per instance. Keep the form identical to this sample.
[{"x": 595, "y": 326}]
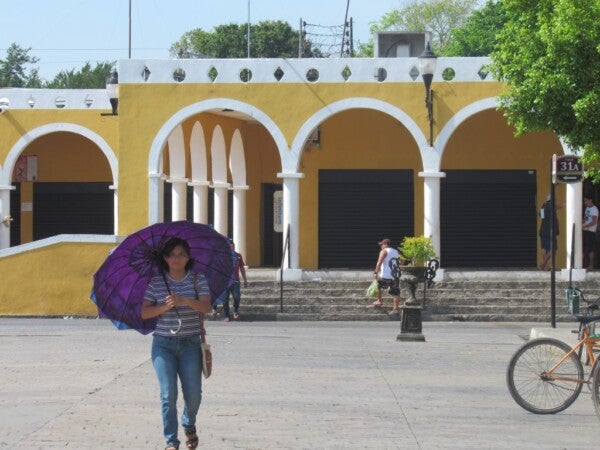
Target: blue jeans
[
  {"x": 172, "y": 357},
  {"x": 234, "y": 291}
]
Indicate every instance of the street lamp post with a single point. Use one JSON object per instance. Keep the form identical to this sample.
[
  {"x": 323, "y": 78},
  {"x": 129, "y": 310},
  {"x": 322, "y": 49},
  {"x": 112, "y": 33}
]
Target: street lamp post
[{"x": 427, "y": 65}]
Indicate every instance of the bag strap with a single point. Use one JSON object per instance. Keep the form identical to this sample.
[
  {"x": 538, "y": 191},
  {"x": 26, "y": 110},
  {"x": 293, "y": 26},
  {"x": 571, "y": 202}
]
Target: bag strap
[{"x": 202, "y": 329}]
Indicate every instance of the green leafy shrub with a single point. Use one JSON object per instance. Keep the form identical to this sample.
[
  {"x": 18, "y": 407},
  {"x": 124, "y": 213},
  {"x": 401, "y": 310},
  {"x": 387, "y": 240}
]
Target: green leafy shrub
[{"x": 417, "y": 250}]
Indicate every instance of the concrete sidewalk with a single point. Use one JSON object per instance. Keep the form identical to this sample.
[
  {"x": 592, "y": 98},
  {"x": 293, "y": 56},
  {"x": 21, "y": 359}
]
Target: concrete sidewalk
[{"x": 280, "y": 385}]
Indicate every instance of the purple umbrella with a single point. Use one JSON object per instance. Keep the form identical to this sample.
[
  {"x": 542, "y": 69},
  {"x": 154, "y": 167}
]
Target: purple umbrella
[{"x": 122, "y": 279}]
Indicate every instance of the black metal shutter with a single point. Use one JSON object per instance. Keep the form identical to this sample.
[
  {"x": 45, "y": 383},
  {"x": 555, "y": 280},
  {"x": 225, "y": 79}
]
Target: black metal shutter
[
  {"x": 72, "y": 208},
  {"x": 488, "y": 218},
  {"x": 15, "y": 213},
  {"x": 272, "y": 241},
  {"x": 357, "y": 208}
]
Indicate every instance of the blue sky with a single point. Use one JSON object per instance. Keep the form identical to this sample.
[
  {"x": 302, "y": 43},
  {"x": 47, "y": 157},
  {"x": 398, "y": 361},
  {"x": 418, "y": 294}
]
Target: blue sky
[{"x": 64, "y": 34}]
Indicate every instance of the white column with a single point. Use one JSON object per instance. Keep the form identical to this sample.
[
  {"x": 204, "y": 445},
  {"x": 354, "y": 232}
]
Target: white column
[
  {"x": 220, "y": 219},
  {"x": 178, "y": 198},
  {"x": 155, "y": 201},
  {"x": 291, "y": 209},
  {"x": 239, "y": 218},
  {"x": 5, "y": 216},
  {"x": 431, "y": 207},
  {"x": 200, "y": 201}
]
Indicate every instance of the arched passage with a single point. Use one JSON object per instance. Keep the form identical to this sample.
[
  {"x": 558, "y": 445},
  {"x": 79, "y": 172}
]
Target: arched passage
[
  {"x": 154, "y": 157},
  {"x": 63, "y": 175},
  {"x": 492, "y": 187},
  {"x": 360, "y": 182}
]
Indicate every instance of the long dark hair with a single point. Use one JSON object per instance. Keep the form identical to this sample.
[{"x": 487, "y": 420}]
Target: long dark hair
[{"x": 168, "y": 247}]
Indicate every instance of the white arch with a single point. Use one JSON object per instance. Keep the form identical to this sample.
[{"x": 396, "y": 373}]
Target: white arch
[
  {"x": 30, "y": 136},
  {"x": 160, "y": 139},
  {"x": 218, "y": 156},
  {"x": 291, "y": 161},
  {"x": 176, "y": 153},
  {"x": 457, "y": 120},
  {"x": 154, "y": 157},
  {"x": 460, "y": 117},
  {"x": 198, "y": 154},
  {"x": 237, "y": 160}
]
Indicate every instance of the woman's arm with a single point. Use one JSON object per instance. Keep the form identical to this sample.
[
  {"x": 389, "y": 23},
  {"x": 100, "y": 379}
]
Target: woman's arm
[
  {"x": 200, "y": 304},
  {"x": 150, "y": 310}
]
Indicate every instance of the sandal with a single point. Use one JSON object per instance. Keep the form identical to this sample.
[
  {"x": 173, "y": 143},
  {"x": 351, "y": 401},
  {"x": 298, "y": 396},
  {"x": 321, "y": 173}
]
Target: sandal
[
  {"x": 394, "y": 312},
  {"x": 377, "y": 303},
  {"x": 171, "y": 447},
  {"x": 192, "y": 438}
]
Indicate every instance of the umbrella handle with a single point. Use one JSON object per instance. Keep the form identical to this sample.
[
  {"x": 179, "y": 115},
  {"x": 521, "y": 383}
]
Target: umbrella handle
[
  {"x": 164, "y": 277},
  {"x": 178, "y": 326}
]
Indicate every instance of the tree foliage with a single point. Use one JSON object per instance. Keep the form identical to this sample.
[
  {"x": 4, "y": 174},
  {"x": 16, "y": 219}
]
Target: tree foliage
[
  {"x": 85, "y": 78},
  {"x": 478, "y": 36},
  {"x": 549, "y": 55},
  {"x": 268, "y": 39},
  {"x": 13, "y": 69},
  {"x": 439, "y": 17}
]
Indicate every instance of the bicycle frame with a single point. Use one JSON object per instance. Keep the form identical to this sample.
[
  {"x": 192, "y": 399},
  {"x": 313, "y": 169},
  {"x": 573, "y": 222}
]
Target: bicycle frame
[{"x": 588, "y": 342}]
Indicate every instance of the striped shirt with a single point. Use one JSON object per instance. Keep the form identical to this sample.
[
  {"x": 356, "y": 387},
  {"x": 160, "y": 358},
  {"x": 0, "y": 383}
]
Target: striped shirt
[{"x": 156, "y": 293}]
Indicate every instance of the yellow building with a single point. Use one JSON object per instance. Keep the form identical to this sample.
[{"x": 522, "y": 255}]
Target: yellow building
[{"x": 334, "y": 154}]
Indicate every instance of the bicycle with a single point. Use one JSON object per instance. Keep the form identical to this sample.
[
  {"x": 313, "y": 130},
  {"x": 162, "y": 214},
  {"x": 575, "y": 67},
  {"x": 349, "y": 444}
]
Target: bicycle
[{"x": 546, "y": 375}]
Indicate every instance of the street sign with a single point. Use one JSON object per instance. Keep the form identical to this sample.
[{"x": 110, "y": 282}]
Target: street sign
[
  {"x": 278, "y": 211},
  {"x": 566, "y": 169}
]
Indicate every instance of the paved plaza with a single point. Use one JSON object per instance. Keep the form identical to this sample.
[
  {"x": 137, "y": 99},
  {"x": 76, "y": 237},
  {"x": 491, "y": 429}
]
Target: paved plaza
[{"x": 82, "y": 384}]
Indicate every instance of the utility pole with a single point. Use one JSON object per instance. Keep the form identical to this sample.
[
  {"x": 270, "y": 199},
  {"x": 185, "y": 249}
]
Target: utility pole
[
  {"x": 129, "y": 29},
  {"x": 248, "y": 29}
]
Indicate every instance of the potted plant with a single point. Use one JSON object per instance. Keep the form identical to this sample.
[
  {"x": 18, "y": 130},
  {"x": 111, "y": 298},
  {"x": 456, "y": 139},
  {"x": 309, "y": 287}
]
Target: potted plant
[{"x": 417, "y": 250}]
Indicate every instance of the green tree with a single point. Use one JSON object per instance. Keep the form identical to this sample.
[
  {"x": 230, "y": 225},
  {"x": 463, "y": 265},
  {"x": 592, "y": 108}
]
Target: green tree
[
  {"x": 268, "y": 39},
  {"x": 439, "y": 17},
  {"x": 13, "y": 69},
  {"x": 478, "y": 36},
  {"x": 548, "y": 53},
  {"x": 85, "y": 78}
]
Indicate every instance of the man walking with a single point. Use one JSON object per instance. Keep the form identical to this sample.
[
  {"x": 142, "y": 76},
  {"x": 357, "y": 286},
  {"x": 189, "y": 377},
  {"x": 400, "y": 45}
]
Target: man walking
[
  {"x": 386, "y": 276},
  {"x": 590, "y": 224},
  {"x": 234, "y": 289}
]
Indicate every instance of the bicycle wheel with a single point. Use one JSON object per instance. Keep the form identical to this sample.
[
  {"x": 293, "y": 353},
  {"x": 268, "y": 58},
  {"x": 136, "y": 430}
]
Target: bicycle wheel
[
  {"x": 596, "y": 386},
  {"x": 532, "y": 388}
]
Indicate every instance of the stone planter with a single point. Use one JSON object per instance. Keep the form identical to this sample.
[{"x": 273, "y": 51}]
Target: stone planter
[{"x": 411, "y": 277}]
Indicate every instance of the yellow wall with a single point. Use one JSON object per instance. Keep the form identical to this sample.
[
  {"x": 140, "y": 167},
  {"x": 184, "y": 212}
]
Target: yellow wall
[{"x": 52, "y": 280}]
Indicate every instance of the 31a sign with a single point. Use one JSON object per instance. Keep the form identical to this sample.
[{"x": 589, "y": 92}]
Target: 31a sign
[{"x": 566, "y": 169}]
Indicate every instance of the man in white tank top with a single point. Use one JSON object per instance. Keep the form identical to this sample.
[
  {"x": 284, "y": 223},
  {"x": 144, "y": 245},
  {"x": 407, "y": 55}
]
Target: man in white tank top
[
  {"x": 590, "y": 224},
  {"x": 387, "y": 274}
]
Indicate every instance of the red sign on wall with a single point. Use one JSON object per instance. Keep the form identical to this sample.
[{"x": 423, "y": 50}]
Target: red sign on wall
[{"x": 26, "y": 168}]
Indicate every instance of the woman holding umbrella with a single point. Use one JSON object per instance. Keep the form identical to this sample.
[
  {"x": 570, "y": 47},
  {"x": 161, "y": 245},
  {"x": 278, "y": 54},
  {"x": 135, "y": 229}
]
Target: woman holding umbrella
[{"x": 175, "y": 298}]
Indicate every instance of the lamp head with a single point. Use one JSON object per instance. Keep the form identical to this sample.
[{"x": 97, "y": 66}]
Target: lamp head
[
  {"x": 427, "y": 61},
  {"x": 112, "y": 90}
]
